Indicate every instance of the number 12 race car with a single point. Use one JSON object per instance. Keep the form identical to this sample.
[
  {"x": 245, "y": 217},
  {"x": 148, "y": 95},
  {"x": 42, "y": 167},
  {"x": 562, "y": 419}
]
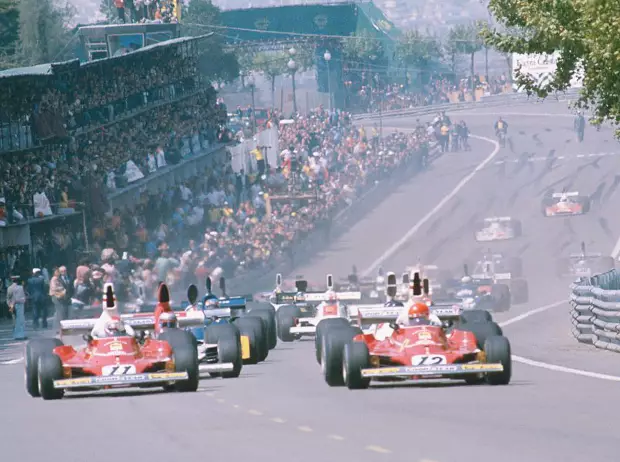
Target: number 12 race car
[{"x": 413, "y": 352}]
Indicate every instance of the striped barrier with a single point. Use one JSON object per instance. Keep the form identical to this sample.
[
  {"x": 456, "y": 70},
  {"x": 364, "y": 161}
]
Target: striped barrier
[{"x": 595, "y": 310}]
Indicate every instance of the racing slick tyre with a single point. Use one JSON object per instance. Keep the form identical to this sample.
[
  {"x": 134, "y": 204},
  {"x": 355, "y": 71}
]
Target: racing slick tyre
[
  {"x": 355, "y": 358},
  {"x": 267, "y": 314},
  {"x": 500, "y": 293},
  {"x": 332, "y": 349},
  {"x": 517, "y": 228},
  {"x": 515, "y": 267},
  {"x": 482, "y": 331},
  {"x": 604, "y": 264},
  {"x": 285, "y": 319},
  {"x": 50, "y": 369},
  {"x": 34, "y": 349},
  {"x": 519, "y": 291},
  {"x": 497, "y": 350},
  {"x": 227, "y": 338},
  {"x": 322, "y": 327},
  {"x": 254, "y": 329},
  {"x": 585, "y": 204},
  {"x": 473, "y": 316},
  {"x": 185, "y": 355}
]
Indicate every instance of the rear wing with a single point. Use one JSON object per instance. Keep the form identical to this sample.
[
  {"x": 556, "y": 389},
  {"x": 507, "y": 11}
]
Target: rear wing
[
  {"x": 568, "y": 194},
  {"x": 446, "y": 310},
  {"x": 341, "y": 296},
  {"x": 375, "y": 314},
  {"x": 85, "y": 326},
  {"x": 497, "y": 219},
  {"x": 503, "y": 276}
]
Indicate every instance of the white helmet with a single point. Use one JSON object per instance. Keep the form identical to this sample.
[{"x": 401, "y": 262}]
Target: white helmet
[{"x": 466, "y": 279}]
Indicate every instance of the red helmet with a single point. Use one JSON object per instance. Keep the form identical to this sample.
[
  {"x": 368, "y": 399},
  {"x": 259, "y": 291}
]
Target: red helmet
[{"x": 418, "y": 310}]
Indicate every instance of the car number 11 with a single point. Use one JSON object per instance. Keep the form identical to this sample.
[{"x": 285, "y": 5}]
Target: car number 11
[
  {"x": 428, "y": 360},
  {"x": 124, "y": 369}
]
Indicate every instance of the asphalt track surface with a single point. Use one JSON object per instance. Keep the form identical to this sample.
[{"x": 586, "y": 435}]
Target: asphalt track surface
[{"x": 283, "y": 411}]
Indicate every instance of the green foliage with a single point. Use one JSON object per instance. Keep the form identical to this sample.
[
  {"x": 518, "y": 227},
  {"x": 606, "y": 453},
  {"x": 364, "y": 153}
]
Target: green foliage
[
  {"x": 107, "y": 8},
  {"x": 582, "y": 31},
  {"x": 215, "y": 62},
  {"x": 9, "y": 33},
  {"x": 271, "y": 65},
  {"x": 43, "y": 32},
  {"x": 363, "y": 47},
  {"x": 304, "y": 57},
  {"x": 466, "y": 39},
  {"x": 417, "y": 50}
]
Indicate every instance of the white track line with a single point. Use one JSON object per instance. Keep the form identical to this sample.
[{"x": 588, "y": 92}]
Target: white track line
[
  {"x": 392, "y": 250},
  {"x": 567, "y": 370},
  {"x": 527, "y": 314}
]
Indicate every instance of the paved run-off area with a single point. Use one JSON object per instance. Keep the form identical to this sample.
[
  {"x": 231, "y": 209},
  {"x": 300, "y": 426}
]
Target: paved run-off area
[{"x": 283, "y": 411}]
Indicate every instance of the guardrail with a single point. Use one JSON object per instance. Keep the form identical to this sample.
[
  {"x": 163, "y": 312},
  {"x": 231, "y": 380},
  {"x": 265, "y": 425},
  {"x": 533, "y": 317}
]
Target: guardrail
[
  {"x": 595, "y": 310},
  {"x": 488, "y": 101}
]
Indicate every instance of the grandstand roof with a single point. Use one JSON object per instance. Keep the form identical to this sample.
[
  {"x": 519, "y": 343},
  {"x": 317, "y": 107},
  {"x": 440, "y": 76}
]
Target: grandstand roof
[{"x": 39, "y": 70}]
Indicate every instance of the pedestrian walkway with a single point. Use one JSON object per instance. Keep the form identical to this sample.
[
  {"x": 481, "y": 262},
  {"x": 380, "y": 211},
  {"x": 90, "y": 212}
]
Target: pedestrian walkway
[{"x": 12, "y": 351}]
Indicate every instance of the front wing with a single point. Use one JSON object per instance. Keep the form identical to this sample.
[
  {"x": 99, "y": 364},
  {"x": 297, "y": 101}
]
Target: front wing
[
  {"x": 121, "y": 380},
  {"x": 425, "y": 371}
]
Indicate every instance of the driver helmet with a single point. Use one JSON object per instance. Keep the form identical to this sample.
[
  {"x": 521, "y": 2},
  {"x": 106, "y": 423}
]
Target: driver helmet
[
  {"x": 418, "y": 313},
  {"x": 168, "y": 320},
  {"x": 465, "y": 279},
  {"x": 331, "y": 297},
  {"x": 564, "y": 197},
  {"x": 114, "y": 327},
  {"x": 211, "y": 304}
]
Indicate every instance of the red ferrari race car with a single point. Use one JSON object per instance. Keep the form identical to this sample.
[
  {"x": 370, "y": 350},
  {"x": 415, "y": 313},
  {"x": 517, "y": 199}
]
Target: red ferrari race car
[
  {"x": 117, "y": 361},
  {"x": 393, "y": 352},
  {"x": 565, "y": 203}
]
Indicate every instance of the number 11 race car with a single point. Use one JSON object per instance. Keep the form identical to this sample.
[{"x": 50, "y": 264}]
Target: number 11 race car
[
  {"x": 498, "y": 229},
  {"x": 117, "y": 361}
]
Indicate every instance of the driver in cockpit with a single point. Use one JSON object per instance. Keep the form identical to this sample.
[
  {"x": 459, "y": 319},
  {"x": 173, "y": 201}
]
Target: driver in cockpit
[{"x": 418, "y": 314}]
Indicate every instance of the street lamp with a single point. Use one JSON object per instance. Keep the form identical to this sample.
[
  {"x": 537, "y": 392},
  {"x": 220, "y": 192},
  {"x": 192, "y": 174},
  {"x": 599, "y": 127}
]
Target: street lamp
[
  {"x": 327, "y": 56},
  {"x": 252, "y": 85},
  {"x": 292, "y": 65}
]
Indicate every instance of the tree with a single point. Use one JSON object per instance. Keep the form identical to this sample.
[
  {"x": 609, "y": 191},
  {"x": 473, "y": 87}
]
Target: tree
[
  {"x": 271, "y": 65},
  {"x": 9, "y": 32},
  {"x": 215, "y": 62},
  {"x": 466, "y": 40},
  {"x": 418, "y": 51},
  {"x": 43, "y": 31},
  {"x": 363, "y": 49},
  {"x": 581, "y": 31}
]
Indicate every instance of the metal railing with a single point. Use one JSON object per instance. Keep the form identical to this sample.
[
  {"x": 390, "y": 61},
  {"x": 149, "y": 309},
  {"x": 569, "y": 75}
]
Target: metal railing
[
  {"x": 595, "y": 310},
  {"x": 487, "y": 101}
]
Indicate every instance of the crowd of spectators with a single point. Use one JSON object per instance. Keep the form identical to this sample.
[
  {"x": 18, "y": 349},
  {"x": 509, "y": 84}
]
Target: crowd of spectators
[{"x": 130, "y": 11}]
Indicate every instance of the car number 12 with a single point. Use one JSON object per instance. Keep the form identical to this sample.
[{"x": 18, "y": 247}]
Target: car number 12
[
  {"x": 124, "y": 369},
  {"x": 428, "y": 360}
]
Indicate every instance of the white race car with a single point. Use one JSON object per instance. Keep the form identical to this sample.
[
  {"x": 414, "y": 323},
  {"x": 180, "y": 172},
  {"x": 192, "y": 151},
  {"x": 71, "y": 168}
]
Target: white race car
[
  {"x": 302, "y": 316},
  {"x": 498, "y": 229}
]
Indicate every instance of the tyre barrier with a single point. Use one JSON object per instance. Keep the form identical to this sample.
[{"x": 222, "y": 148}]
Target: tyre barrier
[{"x": 595, "y": 310}]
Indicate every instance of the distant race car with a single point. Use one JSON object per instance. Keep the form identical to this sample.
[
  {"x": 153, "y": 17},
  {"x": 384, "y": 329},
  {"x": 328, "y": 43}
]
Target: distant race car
[
  {"x": 497, "y": 229},
  {"x": 584, "y": 264},
  {"x": 503, "y": 270},
  {"x": 565, "y": 203},
  {"x": 306, "y": 310},
  {"x": 118, "y": 361},
  {"x": 472, "y": 352}
]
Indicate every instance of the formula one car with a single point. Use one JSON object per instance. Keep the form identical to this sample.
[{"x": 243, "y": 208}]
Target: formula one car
[
  {"x": 295, "y": 321},
  {"x": 584, "y": 264},
  {"x": 117, "y": 361},
  {"x": 479, "y": 293},
  {"x": 502, "y": 270},
  {"x": 565, "y": 203},
  {"x": 415, "y": 352},
  {"x": 497, "y": 229}
]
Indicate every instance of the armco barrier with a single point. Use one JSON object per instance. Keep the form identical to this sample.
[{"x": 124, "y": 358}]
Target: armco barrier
[
  {"x": 488, "y": 101},
  {"x": 595, "y": 310}
]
